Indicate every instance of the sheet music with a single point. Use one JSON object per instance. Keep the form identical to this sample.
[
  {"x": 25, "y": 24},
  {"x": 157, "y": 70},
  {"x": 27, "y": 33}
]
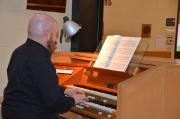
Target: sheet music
[{"x": 117, "y": 52}]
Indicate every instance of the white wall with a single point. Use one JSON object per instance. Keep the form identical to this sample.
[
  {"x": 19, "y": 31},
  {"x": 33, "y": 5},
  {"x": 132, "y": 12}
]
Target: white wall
[
  {"x": 125, "y": 17},
  {"x": 13, "y": 30}
]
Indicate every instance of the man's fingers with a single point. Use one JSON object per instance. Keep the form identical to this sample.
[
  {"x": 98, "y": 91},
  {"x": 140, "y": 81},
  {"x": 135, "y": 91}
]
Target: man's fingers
[
  {"x": 79, "y": 91},
  {"x": 80, "y": 98}
]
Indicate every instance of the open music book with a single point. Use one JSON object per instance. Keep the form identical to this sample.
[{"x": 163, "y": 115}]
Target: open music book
[{"x": 116, "y": 52}]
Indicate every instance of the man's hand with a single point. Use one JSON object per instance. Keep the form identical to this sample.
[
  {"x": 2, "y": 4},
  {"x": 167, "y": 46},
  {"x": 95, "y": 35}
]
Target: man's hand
[
  {"x": 72, "y": 91},
  {"x": 79, "y": 98},
  {"x": 78, "y": 95}
]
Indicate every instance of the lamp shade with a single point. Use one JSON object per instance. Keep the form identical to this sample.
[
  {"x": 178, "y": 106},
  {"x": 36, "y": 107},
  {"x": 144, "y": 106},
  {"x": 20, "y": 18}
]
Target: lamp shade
[{"x": 70, "y": 28}]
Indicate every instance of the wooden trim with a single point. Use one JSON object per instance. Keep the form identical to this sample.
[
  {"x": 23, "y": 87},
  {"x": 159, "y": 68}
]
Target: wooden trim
[
  {"x": 93, "y": 56},
  {"x": 47, "y": 7},
  {"x": 163, "y": 54}
]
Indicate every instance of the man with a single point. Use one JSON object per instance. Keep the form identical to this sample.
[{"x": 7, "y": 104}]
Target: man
[{"x": 32, "y": 91}]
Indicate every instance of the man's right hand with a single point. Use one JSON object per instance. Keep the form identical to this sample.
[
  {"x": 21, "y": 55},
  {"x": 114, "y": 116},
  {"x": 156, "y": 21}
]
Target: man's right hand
[
  {"x": 72, "y": 91},
  {"x": 80, "y": 98}
]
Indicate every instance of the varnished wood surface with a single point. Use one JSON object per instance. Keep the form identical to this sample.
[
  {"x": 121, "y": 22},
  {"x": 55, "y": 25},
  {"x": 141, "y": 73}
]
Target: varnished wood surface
[
  {"x": 72, "y": 58},
  {"x": 84, "y": 74},
  {"x": 152, "y": 94}
]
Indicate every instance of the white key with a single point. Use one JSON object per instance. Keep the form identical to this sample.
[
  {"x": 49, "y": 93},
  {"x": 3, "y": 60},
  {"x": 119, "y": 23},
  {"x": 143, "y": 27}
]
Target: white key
[
  {"x": 99, "y": 113},
  {"x": 91, "y": 97},
  {"x": 79, "y": 106},
  {"x": 100, "y": 107},
  {"x": 109, "y": 116}
]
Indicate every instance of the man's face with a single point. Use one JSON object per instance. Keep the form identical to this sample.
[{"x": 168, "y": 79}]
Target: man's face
[{"x": 52, "y": 41}]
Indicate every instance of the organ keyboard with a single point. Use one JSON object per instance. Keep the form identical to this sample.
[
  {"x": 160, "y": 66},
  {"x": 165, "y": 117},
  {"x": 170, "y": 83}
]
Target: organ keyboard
[
  {"x": 95, "y": 93},
  {"x": 100, "y": 107},
  {"x": 102, "y": 104}
]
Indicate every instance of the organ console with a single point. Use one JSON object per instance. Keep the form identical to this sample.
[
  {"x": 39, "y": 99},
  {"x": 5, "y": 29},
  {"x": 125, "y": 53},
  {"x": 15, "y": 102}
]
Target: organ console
[
  {"x": 141, "y": 93},
  {"x": 100, "y": 85}
]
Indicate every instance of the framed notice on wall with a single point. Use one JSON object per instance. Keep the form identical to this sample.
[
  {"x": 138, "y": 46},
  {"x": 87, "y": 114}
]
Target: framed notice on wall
[{"x": 47, "y": 5}]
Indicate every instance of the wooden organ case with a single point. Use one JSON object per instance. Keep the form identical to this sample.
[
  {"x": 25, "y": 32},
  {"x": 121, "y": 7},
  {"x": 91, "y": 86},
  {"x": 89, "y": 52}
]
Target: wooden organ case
[{"x": 146, "y": 94}]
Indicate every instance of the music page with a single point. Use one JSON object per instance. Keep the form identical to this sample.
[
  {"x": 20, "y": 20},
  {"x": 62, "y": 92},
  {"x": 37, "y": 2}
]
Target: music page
[{"x": 117, "y": 52}]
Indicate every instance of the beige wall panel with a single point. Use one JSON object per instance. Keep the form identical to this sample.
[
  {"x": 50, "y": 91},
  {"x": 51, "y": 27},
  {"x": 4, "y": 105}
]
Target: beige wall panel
[{"x": 125, "y": 17}]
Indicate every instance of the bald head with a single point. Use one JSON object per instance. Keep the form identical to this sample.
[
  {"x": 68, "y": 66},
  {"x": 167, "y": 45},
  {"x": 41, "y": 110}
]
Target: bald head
[{"x": 42, "y": 28}]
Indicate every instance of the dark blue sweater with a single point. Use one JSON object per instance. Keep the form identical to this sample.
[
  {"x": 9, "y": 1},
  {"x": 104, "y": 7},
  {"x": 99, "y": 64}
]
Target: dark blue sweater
[{"x": 32, "y": 91}]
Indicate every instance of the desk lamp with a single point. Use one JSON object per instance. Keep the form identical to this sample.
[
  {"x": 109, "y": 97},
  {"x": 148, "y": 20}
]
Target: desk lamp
[{"x": 70, "y": 28}]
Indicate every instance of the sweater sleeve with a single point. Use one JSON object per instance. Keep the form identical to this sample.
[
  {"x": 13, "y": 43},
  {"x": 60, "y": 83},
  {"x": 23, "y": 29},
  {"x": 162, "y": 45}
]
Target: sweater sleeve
[{"x": 51, "y": 94}]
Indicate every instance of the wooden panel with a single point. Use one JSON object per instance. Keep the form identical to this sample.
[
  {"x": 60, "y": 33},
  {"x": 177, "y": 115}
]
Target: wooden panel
[
  {"x": 152, "y": 94},
  {"x": 172, "y": 95},
  {"x": 141, "y": 96},
  {"x": 47, "y": 5}
]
